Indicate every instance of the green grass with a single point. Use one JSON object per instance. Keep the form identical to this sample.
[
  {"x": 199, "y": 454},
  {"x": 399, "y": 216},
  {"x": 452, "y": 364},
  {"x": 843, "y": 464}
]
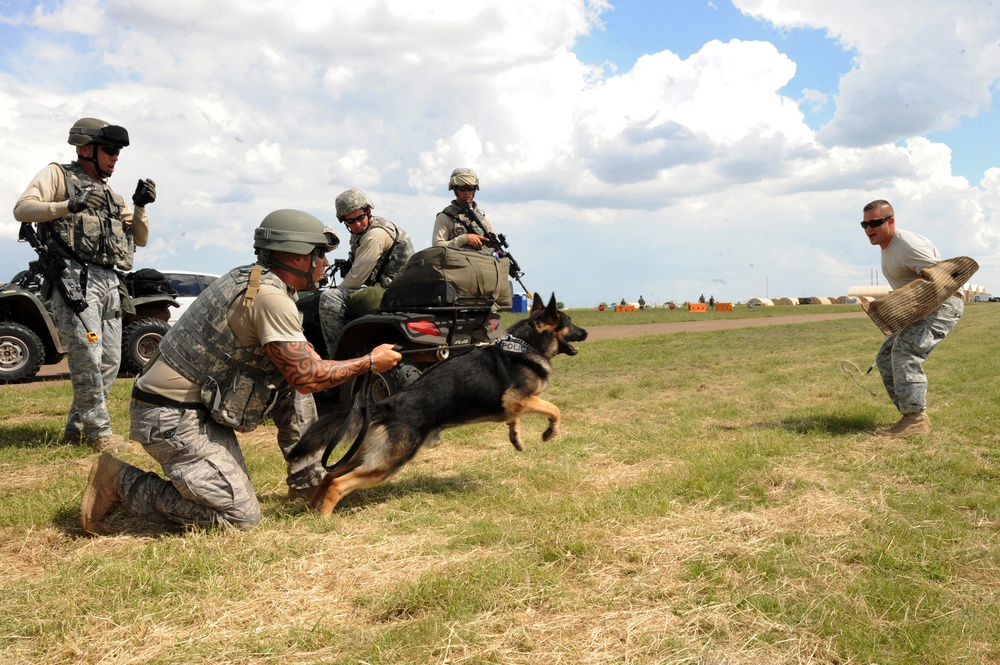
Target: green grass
[{"x": 712, "y": 498}]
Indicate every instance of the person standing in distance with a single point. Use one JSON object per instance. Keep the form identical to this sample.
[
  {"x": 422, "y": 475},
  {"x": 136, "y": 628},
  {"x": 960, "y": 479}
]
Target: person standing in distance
[
  {"x": 86, "y": 223},
  {"x": 900, "y": 359}
]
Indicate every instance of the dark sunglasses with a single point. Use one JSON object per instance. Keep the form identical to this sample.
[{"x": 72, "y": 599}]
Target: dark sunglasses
[
  {"x": 354, "y": 220},
  {"x": 465, "y": 188},
  {"x": 110, "y": 151},
  {"x": 875, "y": 223}
]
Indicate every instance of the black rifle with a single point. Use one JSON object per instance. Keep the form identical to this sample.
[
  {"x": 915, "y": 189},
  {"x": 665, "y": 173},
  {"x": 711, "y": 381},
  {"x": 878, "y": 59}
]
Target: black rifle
[
  {"x": 53, "y": 267},
  {"x": 498, "y": 243}
]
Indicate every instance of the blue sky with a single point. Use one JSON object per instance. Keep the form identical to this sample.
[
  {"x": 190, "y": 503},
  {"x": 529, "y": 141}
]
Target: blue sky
[{"x": 658, "y": 148}]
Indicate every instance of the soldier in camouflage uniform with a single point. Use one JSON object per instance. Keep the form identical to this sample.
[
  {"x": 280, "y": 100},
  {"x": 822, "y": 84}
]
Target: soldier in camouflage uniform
[
  {"x": 455, "y": 226},
  {"x": 237, "y": 354},
  {"x": 900, "y": 359},
  {"x": 379, "y": 249},
  {"x": 86, "y": 223}
]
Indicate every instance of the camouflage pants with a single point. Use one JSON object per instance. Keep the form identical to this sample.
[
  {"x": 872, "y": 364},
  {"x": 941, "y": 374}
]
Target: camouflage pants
[
  {"x": 333, "y": 315},
  {"x": 93, "y": 366},
  {"x": 901, "y": 358},
  {"x": 207, "y": 479}
]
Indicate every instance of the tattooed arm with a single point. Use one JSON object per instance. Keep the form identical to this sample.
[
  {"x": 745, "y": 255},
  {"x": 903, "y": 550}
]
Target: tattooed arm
[{"x": 306, "y": 372}]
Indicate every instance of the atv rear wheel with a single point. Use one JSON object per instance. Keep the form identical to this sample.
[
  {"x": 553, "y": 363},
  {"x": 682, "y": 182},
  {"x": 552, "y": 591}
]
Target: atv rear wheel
[
  {"x": 140, "y": 341},
  {"x": 378, "y": 386},
  {"x": 21, "y": 353}
]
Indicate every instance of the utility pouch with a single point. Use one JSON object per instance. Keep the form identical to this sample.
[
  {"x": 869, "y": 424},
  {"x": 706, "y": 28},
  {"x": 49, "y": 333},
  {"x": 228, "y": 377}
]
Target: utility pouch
[{"x": 241, "y": 404}]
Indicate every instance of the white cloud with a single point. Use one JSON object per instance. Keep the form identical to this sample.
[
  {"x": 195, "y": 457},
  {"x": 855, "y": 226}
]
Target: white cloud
[{"x": 672, "y": 176}]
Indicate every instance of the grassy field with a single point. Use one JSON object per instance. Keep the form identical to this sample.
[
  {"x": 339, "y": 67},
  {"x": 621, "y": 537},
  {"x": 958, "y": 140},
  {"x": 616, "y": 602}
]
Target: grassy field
[{"x": 713, "y": 498}]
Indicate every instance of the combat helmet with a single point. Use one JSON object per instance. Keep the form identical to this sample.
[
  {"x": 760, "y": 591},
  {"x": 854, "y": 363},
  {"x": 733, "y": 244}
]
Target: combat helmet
[
  {"x": 463, "y": 176},
  {"x": 92, "y": 130},
  {"x": 295, "y": 232},
  {"x": 351, "y": 200}
]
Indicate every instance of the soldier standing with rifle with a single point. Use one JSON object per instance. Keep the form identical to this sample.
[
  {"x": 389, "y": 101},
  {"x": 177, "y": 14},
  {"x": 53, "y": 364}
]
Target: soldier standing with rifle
[
  {"x": 463, "y": 225},
  {"x": 87, "y": 231}
]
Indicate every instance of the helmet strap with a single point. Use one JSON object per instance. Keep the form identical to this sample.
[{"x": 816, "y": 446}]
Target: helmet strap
[{"x": 93, "y": 159}]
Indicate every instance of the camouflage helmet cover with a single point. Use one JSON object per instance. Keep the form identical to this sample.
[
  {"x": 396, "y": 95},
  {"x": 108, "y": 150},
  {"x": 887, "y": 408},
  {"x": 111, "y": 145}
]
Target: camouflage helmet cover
[
  {"x": 463, "y": 176},
  {"x": 295, "y": 232},
  {"x": 351, "y": 200},
  {"x": 92, "y": 130}
]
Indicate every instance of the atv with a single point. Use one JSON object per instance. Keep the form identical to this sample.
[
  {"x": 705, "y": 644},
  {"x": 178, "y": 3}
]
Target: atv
[
  {"x": 427, "y": 322},
  {"x": 29, "y": 338}
]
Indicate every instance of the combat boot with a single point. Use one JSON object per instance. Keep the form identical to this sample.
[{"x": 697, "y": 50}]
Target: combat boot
[
  {"x": 100, "y": 496},
  {"x": 109, "y": 443},
  {"x": 911, "y": 424}
]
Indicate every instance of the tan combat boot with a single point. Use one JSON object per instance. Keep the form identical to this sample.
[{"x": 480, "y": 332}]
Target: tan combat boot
[
  {"x": 100, "y": 496},
  {"x": 109, "y": 443},
  {"x": 911, "y": 424}
]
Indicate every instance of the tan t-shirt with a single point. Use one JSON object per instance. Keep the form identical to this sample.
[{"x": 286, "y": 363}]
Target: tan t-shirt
[
  {"x": 45, "y": 200},
  {"x": 273, "y": 318}
]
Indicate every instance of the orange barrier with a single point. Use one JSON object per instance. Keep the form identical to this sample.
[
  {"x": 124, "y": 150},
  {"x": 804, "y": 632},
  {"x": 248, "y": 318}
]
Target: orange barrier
[
  {"x": 624, "y": 308},
  {"x": 723, "y": 307},
  {"x": 697, "y": 307}
]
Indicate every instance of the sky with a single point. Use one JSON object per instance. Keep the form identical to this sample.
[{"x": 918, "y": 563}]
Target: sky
[{"x": 662, "y": 148}]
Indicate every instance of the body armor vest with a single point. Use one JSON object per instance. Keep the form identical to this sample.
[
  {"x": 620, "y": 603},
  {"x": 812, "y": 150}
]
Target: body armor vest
[
  {"x": 389, "y": 265},
  {"x": 96, "y": 235},
  {"x": 239, "y": 384},
  {"x": 465, "y": 224}
]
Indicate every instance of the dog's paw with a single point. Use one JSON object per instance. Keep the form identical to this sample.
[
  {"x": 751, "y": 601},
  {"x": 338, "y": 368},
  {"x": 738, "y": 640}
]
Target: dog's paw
[{"x": 550, "y": 433}]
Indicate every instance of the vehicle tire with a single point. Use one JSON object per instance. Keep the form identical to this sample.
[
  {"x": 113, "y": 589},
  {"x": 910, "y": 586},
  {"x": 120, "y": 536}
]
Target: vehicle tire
[
  {"x": 21, "y": 353},
  {"x": 140, "y": 340},
  {"x": 378, "y": 386}
]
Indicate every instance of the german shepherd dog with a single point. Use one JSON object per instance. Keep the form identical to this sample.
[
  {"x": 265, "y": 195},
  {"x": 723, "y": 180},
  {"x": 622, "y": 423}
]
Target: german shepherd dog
[{"x": 497, "y": 383}]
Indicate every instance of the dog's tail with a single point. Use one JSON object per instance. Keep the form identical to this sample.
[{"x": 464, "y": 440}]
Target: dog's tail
[{"x": 325, "y": 433}]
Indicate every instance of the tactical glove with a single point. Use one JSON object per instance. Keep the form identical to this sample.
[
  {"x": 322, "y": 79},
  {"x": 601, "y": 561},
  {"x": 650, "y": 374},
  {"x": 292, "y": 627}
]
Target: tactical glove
[
  {"x": 87, "y": 198},
  {"x": 145, "y": 193}
]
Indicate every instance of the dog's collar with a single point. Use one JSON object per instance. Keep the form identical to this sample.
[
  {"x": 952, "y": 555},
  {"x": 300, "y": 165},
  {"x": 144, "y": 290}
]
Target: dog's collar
[{"x": 515, "y": 345}]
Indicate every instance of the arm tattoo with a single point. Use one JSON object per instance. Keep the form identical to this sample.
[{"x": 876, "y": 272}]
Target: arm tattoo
[{"x": 306, "y": 371}]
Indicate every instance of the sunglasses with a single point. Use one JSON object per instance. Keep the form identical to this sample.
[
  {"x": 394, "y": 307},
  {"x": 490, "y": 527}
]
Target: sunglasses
[
  {"x": 354, "y": 220},
  {"x": 875, "y": 223},
  {"x": 110, "y": 151},
  {"x": 465, "y": 188}
]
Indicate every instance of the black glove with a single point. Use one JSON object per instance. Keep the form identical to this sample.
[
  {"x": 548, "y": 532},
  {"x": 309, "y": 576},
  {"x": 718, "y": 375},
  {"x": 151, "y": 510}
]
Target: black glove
[
  {"x": 87, "y": 198},
  {"x": 145, "y": 193}
]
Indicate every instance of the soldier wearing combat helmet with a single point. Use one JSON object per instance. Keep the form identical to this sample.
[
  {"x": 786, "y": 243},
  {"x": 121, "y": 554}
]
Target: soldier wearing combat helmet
[
  {"x": 90, "y": 227},
  {"x": 237, "y": 353},
  {"x": 463, "y": 224},
  {"x": 379, "y": 249}
]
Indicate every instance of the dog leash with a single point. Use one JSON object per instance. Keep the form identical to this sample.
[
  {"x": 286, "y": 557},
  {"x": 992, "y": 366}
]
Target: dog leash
[{"x": 506, "y": 343}]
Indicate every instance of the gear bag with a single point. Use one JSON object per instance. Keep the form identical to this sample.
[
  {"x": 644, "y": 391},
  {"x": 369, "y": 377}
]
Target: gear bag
[
  {"x": 148, "y": 282},
  {"x": 439, "y": 276}
]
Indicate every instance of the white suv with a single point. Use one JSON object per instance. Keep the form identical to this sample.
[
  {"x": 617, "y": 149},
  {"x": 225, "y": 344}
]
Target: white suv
[{"x": 188, "y": 285}]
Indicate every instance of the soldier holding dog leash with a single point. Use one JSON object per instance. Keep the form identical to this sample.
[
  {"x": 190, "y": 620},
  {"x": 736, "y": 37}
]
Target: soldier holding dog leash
[{"x": 237, "y": 354}]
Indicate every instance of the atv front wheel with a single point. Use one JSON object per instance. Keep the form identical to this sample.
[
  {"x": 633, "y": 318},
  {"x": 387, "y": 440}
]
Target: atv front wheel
[
  {"x": 140, "y": 340},
  {"x": 21, "y": 353}
]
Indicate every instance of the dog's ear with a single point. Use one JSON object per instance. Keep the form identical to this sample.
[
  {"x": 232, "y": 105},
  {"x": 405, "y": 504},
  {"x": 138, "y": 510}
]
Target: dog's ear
[
  {"x": 537, "y": 305},
  {"x": 552, "y": 308}
]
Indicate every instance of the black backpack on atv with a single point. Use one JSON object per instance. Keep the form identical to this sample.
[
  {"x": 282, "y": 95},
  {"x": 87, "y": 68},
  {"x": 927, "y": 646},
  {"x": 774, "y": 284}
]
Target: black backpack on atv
[{"x": 148, "y": 282}]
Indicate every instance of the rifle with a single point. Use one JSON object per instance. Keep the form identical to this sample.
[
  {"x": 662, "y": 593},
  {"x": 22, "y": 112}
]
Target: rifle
[{"x": 498, "y": 243}]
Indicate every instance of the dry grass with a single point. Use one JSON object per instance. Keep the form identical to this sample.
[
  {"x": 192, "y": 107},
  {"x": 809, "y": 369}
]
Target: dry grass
[{"x": 718, "y": 502}]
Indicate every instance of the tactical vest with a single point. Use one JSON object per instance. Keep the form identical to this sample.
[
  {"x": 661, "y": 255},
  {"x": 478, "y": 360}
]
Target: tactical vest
[
  {"x": 390, "y": 263},
  {"x": 239, "y": 384},
  {"x": 95, "y": 235},
  {"x": 465, "y": 224}
]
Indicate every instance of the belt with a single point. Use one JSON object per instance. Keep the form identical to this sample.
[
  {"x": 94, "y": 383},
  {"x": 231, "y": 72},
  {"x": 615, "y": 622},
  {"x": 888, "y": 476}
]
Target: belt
[{"x": 152, "y": 399}]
